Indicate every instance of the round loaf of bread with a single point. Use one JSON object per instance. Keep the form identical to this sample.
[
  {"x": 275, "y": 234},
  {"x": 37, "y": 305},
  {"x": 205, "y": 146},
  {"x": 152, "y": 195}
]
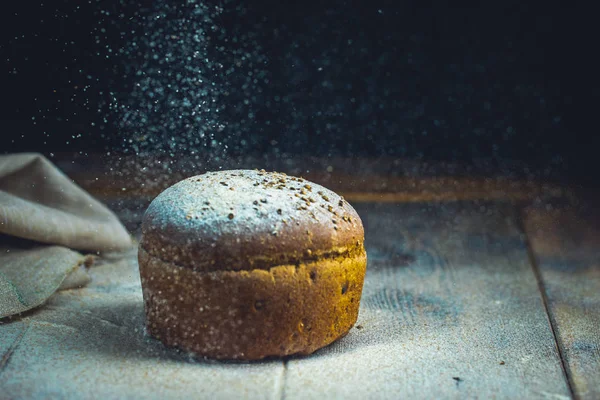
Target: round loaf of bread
[{"x": 250, "y": 264}]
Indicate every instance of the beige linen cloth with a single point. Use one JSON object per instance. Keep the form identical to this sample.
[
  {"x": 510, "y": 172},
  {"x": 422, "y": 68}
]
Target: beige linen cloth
[{"x": 44, "y": 217}]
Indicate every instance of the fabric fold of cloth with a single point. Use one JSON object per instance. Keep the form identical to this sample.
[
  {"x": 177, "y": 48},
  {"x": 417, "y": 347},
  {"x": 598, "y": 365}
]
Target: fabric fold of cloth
[{"x": 44, "y": 217}]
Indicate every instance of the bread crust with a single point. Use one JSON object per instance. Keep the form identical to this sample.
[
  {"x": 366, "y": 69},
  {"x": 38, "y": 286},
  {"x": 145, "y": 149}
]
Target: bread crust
[
  {"x": 249, "y": 264},
  {"x": 243, "y": 219},
  {"x": 250, "y": 315}
]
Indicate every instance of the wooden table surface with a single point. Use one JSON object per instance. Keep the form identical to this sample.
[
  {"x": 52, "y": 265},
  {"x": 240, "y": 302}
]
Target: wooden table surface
[{"x": 477, "y": 287}]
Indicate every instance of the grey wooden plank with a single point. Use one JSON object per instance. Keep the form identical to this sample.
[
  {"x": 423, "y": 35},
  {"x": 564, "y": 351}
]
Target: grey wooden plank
[
  {"x": 566, "y": 248},
  {"x": 91, "y": 344},
  {"x": 451, "y": 309}
]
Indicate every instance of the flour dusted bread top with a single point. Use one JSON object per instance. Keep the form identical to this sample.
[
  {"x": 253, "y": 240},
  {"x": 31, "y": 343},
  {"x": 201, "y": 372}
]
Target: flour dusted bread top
[{"x": 244, "y": 220}]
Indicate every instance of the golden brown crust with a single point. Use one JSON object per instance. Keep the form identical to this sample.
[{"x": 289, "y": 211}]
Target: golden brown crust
[
  {"x": 249, "y": 264},
  {"x": 249, "y": 315},
  {"x": 245, "y": 219}
]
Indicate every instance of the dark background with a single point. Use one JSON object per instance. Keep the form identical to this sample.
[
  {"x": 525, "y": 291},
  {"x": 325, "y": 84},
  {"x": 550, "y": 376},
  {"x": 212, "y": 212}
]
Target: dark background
[{"x": 501, "y": 82}]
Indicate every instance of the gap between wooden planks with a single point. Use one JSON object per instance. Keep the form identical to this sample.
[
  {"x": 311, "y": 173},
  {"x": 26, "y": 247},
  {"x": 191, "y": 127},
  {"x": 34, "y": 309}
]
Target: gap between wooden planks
[{"x": 565, "y": 242}]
